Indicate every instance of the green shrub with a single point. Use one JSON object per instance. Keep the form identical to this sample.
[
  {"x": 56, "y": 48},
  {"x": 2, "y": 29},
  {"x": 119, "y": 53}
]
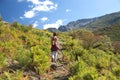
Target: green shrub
[
  {"x": 3, "y": 61},
  {"x": 1, "y": 24},
  {"x": 23, "y": 56},
  {"x": 66, "y": 56},
  {"x": 109, "y": 75},
  {"x": 15, "y": 75},
  {"x": 41, "y": 60},
  {"x": 81, "y": 71},
  {"x": 116, "y": 71},
  {"x": 77, "y": 66},
  {"x": 90, "y": 59},
  {"x": 102, "y": 58},
  {"x": 78, "y": 52}
]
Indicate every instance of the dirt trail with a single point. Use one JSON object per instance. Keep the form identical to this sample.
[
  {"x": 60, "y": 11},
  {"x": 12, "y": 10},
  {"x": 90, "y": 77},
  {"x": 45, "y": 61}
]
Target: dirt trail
[{"x": 57, "y": 72}]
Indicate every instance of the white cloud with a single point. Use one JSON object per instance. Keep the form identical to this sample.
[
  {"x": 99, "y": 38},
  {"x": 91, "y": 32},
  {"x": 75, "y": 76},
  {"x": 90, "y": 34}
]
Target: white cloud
[
  {"x": 35, "y": 24},
  {"x": 43, "y": 6},
  {"x": 53, "y": 25},
  {"x": 21, "y": 17},
  {"x": 44, "y": 19},
  {"x": 68, "y": 10},
  {"x": 30, "y": 6},
  {"x": 38, "y": 6},
  {"x": 34, "y": 1},
  {"x": 29, "y": 14}
]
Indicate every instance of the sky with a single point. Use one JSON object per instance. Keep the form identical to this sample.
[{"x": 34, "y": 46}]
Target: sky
[{"x": 43, "y": 14}]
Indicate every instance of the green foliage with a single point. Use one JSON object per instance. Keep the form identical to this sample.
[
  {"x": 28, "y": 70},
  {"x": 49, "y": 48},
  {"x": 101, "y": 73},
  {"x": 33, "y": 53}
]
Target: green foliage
[
  {"x": 94, "y": 65},
  {"x": 3, "y": 61},
  {"x": 116, "y": 45},
  {"x": 89, "y": 40},
  {"x": 1, "y": 24},
  {"x": 15, "y": 75},
  {"x": 78, "y": 52},
  {"x": 24, "y": 28},
  {"x": 1, "y": 18},
  {"x": 115, "y": 62},
  {"x": 102, "y": 59},
  {"x": 82, "y": 72},
  {"x": 40, "y": 59},
  {"x": 23, "y": 56},
  {"x": 108, "y": 75},
  {"x": 116, "y": 71},
  {"x": 15, "y": 24},
  {"x": 113, "y": 32}
]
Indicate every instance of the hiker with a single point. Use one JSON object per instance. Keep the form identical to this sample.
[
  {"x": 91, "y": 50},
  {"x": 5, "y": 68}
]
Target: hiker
[{"x": 54, "y": 47}]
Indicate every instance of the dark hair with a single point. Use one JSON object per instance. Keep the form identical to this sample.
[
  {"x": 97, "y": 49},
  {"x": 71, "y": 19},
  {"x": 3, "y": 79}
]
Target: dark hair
[{"x": 54, "y": 34}]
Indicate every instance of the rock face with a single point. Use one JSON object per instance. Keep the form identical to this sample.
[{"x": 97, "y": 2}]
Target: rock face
[{"x": 76, "y": 24}]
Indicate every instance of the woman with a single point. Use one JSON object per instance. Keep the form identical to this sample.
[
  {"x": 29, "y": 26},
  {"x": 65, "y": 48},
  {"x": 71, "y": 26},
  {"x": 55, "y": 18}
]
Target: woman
[{"x": 54, "y": 47}]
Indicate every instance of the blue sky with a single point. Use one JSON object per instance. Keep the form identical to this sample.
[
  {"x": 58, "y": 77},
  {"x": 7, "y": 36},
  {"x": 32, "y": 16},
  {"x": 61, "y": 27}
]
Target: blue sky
[{"x": 53, "y": 13}]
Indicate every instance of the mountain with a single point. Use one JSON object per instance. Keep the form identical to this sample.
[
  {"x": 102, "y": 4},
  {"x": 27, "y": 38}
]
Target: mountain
[
  {"x": 93, "y": 23},
  {"x": 76, "y": 24},
  {"x": 52, "y": 29},
  {"x": 113, "y": 32}
]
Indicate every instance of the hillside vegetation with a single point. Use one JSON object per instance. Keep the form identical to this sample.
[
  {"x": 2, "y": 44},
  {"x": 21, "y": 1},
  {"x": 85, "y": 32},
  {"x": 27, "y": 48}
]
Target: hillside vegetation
[
  {"x": 113, "y": 32},
  {"x": 25, "y": 54}
]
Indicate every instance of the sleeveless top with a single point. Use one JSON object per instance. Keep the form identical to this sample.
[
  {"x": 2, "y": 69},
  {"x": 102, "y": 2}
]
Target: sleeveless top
[{"x": 54, "y": 46}]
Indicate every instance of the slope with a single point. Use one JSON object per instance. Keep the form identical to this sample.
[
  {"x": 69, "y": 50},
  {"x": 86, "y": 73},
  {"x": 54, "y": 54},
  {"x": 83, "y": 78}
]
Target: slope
[{"x": 25, "y": 55}]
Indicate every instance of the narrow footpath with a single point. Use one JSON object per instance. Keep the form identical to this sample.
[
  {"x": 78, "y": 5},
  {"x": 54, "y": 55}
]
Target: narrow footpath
[{"x": 58, "y": 71}]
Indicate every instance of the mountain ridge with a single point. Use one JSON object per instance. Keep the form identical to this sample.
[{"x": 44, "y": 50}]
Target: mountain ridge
[{"x": 92, "y": 23}]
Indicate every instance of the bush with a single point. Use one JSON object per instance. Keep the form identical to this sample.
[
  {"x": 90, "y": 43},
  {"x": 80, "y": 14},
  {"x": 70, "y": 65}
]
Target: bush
[
  {"x": 1, "y": 24},
  {"x": 80, "y": 71},
  {"x": 102, "y": 59},
  {"x": 116, "y": 71},
  {"x": 23, "y": 56},
  {"x": 14, "y": 75},
  {"x": 108, "y": 75},
  {"x": 89, "y": 58},
  {"x": 41, "y": 60},
  {"x": 3, "y": 61}
]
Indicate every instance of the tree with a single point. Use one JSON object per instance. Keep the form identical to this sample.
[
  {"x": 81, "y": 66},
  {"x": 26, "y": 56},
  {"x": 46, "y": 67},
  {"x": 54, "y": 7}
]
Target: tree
[
  {"x": 15, "y": 24},
  {"x": 1, "y": 18}
]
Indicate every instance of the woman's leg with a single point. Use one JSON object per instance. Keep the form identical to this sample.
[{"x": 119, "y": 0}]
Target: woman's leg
[
  {"x": 56, "y": 56},
  {"x": 53, "y": 55}
]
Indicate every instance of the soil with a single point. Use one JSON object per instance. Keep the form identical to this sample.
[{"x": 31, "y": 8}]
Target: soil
[{"x": 58, "y": 71}]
